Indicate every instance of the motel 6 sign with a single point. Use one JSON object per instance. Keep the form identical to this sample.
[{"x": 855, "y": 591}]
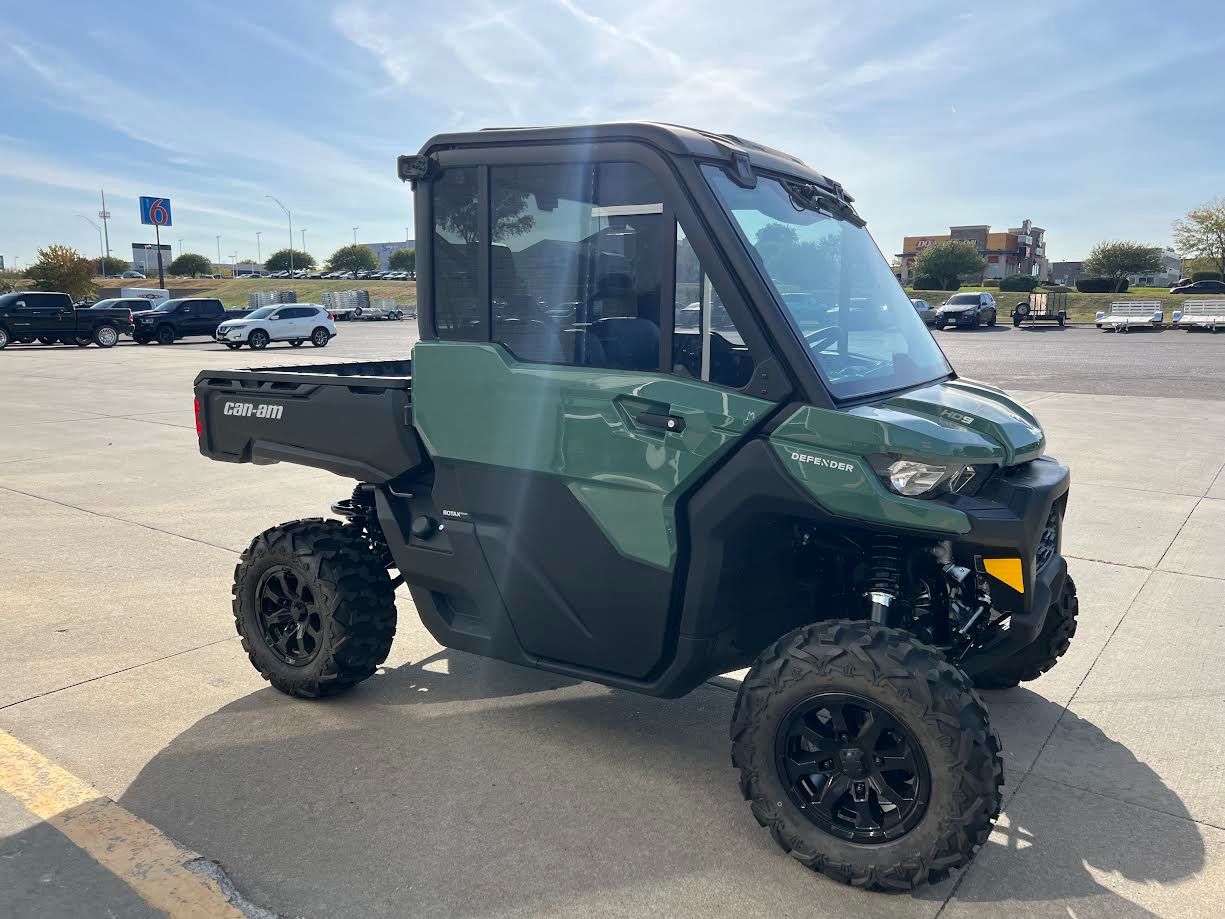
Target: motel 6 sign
[{"x": 155, "y": 211}]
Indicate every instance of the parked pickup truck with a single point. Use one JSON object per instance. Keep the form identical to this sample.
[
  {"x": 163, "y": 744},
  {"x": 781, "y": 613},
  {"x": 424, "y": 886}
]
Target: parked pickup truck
[
  {"x": 185, "y": 317},
  {"x": 51, "y": 318}
]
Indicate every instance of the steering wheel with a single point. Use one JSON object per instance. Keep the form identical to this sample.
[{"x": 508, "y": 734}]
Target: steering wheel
[{"x": 818, "y": 339}]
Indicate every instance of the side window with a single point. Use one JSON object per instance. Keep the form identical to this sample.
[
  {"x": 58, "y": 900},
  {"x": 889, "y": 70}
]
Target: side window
[
  {"x": 705, "y": 343},
  {"x": 578, "y": 254},
  {"x": 457, "y": 244}
]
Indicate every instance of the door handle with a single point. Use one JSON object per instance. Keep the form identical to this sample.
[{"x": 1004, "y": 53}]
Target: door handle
[{"x": 673, "y": 423}]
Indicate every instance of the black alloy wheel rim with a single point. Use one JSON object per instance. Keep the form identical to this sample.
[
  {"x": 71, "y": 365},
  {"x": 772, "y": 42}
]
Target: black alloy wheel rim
[
  {"x": 288, "y": 614},
  {"x": 852, "y": 768}
]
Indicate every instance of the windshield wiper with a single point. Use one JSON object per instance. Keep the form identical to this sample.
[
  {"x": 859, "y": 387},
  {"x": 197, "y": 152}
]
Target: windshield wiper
[{"x": 815, "y": 198}]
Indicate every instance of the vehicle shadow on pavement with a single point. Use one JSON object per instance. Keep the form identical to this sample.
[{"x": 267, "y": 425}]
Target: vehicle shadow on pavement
[{"x": 461, "y": 786}]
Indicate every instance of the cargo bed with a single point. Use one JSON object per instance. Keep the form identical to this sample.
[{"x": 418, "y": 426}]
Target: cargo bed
[{"x": 353, "y": 419}]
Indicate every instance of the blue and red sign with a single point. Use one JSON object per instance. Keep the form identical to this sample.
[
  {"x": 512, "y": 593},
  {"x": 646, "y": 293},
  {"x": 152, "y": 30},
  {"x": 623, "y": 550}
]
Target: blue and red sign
[{"x": 155, "y": 211}]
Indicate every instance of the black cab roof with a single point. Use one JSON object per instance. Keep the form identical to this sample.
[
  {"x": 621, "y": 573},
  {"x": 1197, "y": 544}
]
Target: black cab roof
[{"x": 675, "y": 140}]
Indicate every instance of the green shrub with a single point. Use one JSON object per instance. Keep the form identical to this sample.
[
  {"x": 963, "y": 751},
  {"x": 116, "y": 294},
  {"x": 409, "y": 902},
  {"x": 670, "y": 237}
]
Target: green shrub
[
  {"x": 926, "y": 283},
  {"x": 1206, "y": 276},
  {"x": 991, "y": 282},
  {"x": 1101, "y": 286},
  {"x": 1022, "y": 282}
]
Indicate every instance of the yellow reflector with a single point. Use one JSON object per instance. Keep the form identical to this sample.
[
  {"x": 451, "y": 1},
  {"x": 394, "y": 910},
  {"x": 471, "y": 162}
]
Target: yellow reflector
[{"x": 1007, "y": 570}]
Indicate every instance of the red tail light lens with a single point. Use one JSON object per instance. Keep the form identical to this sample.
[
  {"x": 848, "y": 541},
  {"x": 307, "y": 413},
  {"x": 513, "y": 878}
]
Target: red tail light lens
[{"x": 199, "y": 425}]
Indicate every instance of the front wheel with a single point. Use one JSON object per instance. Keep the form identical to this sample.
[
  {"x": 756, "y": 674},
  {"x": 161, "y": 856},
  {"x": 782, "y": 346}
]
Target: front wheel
[
  {"x": 296, "y": 343},
  {"x": 991, "y": 321},
  {"x": 314, "y": 607},
  {"x": 233, "y": 345},
  {"x": 939, "y": 324},
  {"x": 320, "y": 337},
  {"x": 257, "y": 340},
  {"x": 1051, "y": 644},
  {"x": 47, "y": 339},
  {"x": 867, "y": 755}
]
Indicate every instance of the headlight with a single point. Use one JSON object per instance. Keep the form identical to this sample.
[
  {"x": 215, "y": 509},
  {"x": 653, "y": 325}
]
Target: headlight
[{"x": 909, "y": 477}]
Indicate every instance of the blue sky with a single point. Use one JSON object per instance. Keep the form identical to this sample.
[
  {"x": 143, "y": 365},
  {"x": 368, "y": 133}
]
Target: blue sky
[{"x": 1096, "y": 120}]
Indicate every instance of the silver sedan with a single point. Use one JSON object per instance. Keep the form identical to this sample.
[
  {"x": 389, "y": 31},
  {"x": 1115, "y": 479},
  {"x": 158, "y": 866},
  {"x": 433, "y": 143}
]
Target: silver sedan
[{"x": 925, "y": 310}]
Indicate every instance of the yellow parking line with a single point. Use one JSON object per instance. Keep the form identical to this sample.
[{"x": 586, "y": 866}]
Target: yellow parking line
[{"x": 139, "y": 854}]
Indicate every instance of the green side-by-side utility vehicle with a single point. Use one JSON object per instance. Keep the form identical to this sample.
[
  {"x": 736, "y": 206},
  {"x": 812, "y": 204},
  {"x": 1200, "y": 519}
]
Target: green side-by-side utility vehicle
[{"x": 671, "y": 415}]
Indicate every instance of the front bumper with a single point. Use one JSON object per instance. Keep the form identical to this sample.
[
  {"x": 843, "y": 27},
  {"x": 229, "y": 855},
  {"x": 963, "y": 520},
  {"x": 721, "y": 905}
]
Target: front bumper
[
  {"x": 1016, "y": 526},
  {"x": 966, "y": 317},
  {"x": 231, "y": 335}
]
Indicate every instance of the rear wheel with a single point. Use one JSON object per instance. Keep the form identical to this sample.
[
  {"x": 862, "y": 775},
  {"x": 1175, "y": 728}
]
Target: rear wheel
[
  {"x": 25, "y": 339},
  {"x": 165, "y": 335},
  {"x": 320, "y": 337},
  {"x": 4, "y": 337},
  {"x": 314, "y": 606},
  {"x": 258, "y": 339},
  {"x": 233, "y": 345},
  {"x": 991, "y": 321},
  {"x": 867, "y": 755},
  {"x": 47, "y": 339},
  {"x": 1050, "y": 645},
  {"x": 106, "y": 336},
  {"x": 296, "y": 343}
]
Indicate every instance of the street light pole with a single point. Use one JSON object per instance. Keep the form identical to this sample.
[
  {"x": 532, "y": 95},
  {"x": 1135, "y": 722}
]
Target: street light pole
[
  {"x": 180, "y": 248},
  {"x": 258, "y": 258},
  {"x": 218, "y": 253},
  {"x": 303, "y": 232},
  {"x": 355, "y": 229},
  {"x": 290, "y": 216},
  {"x": 101, "y": 247}
]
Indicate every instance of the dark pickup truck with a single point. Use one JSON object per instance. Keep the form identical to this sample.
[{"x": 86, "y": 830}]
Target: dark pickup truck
[
  {"x": 185, "y": 317},
  {"x": 49, "y": 317}
]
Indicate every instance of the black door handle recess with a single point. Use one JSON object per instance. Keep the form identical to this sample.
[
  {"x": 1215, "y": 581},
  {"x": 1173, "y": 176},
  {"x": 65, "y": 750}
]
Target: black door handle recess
[{"x": 673, "y": 423}]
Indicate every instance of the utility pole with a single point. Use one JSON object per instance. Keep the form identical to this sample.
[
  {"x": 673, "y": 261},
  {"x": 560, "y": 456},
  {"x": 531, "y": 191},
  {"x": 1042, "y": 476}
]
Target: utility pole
[
  {"x": 105, "y": 215},
  {"x": 258, "y": 258},
  {"x": 180, "y": 248},
  {"x": 218, "y": 253},
  {"x": 303, "y": 232},
  {"x": 290, "y": 216},
  {"x": 101, "y": 264},
  {"x": 355, "y": 229}
]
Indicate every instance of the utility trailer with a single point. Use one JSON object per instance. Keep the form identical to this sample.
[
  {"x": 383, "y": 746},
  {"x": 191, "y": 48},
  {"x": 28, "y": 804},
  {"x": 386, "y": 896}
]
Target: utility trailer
[
  {"x": 1047, "y": 306},
  {"x": 579, "y": 473}
]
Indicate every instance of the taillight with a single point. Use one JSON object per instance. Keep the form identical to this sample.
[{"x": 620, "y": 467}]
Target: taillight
[{"x": 199, "y": 425}]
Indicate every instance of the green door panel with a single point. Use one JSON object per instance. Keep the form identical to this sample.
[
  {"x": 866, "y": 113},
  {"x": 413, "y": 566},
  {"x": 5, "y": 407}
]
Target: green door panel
[{"x": 474, "y": 403}]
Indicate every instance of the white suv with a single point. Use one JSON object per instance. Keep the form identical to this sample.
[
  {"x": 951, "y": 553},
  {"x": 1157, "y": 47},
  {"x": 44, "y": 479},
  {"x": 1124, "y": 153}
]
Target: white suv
[{"x": 292, "y": 322}]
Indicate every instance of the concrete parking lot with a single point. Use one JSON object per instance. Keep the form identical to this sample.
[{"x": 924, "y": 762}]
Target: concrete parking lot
[{"x": 450, "y": 785}]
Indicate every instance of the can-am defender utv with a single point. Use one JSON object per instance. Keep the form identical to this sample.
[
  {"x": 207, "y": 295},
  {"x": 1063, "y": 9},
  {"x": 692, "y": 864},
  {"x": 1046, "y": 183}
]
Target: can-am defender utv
[{"x": 671, "y": 415}]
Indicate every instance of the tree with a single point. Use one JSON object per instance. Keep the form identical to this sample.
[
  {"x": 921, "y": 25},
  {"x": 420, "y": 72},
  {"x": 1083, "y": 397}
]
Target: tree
[
  {"x": 1116, "y": 259},
  {"x": 279, "y": 260},
  {"x": 192, "y": 264},
  {"x": 1202, "y": 233},
  {"x": 110, "y": 266},
  {"x": 403, "y": 260},
  {"x": 353, "y": 258},
  {"x": 63, "y": 269},
  {"x": 947, "y": 261}
]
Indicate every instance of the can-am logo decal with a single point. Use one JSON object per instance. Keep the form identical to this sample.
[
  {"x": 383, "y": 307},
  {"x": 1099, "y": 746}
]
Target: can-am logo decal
[
  {"x": 822, "y": 461},
  {"x": 264, "y": 410},
  {"x": 957, "y": 416}
]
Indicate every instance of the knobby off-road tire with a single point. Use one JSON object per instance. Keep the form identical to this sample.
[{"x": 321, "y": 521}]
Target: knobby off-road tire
[
  {"x": 353, "y": 600},
  {"x": 1050, "y": 645},
  {"x": 925, "y": 693}
]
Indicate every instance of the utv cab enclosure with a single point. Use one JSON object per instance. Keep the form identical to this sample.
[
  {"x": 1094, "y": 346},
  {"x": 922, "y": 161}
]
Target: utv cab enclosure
[{"x": 672, "y": 415}]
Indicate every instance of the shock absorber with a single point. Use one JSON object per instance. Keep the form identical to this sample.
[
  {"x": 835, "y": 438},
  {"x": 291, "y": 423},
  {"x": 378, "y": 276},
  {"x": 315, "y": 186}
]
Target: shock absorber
[{"x": 884, "y": 581}]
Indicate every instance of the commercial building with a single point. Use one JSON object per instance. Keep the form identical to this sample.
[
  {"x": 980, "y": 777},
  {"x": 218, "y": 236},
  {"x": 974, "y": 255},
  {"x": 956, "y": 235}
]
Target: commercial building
[
  {"x": 1020, "y": 250},
  {"x": 1067, "y": 273},
  {"x": 384, "y": 250}
]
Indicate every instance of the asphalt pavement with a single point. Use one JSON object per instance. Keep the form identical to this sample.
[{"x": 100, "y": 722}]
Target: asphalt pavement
[{"x": 144, "y": 764}]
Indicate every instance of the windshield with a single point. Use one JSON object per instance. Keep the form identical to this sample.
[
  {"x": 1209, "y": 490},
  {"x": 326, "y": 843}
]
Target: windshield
[
  {"x": 262, "y": 313},
  {"x": 106, "y": 304},
  {"x": 963, "y": 300},
  {"x": 862, "y": 332}
]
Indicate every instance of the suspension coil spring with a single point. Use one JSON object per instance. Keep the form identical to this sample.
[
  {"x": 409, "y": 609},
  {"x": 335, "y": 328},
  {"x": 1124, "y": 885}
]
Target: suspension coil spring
[{"x": 883, "y": 584}]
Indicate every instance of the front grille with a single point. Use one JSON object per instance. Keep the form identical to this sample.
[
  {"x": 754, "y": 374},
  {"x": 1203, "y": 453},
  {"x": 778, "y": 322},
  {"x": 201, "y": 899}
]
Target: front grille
[{"x": 1048, "y": 545}]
